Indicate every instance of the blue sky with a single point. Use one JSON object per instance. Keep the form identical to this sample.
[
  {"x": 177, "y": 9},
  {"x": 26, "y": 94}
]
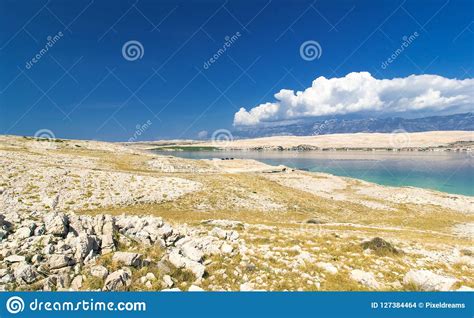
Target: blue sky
[{"x": 83, "y": 87}]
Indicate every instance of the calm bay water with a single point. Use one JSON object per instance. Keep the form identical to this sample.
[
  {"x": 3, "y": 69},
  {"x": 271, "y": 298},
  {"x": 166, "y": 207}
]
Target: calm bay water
[{"x": 442, "y": 171}]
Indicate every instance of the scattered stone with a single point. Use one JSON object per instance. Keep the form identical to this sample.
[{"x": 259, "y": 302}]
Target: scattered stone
[
  {"x": 3, "y": 234},
  {"x": 50, "y": 283},
  {"x": 23, "y": 232},
  {"x": 226, "y": 248},
  {"x": 108, "y": 243},
  {"x": 128, "y": 258},
  {"x": 233, "y": 235},
  {"x": 225, "y": 223},
  {"x": 76, "y": 283},
  {"x": 365, "y": 278},
  {"x": 5, "y": 276},
  {"x": 84, "y": 244},
  {"x": 150, "y": 276},
  {"x": 429, "y": 281},
  {"x": 194, "y": 288},
  {"x": 99, "y": 271},
  {"x": 118, "y": 280},
  {"x": 180, "y": 261},
  {"x": 14, "y": 259},
  {"x": 328, "y": 267},
  {"x": 171, "y": 290},
  {"x": 305, "y": 257},
  {"x": 168, "y": 281},
  {"x": 25, "y": 274},
  {"x": 246, "y": 287},
  {"x": 63, "y": 280},
  {"x": 57, "y": 224},
  {"x": 163, "y": 267},
  {"x": 191, "y": 252},
  {"x": 4, "y": 271},
  {"x": 48, "y": 249},
  {"x": 218, "y": 232},
  {"x": 40, "y": 230},
  {"x": 36, "y": 259},
  {"x": 59, "y": 261}
]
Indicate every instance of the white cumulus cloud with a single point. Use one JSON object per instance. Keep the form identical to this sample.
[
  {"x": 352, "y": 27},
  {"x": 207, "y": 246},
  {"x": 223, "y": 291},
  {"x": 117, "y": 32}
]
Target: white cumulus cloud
[{"x": 361, "y": 92}]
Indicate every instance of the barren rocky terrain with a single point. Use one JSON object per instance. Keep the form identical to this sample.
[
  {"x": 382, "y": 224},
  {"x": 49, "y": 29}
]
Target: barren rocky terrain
[
  {"x": 399, "y": 140},
  {"x": 86, "y": 215}
]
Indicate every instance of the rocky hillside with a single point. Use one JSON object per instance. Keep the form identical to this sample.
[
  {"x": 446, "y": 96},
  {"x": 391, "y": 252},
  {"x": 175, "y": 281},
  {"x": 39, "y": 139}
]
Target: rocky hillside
[{"x": 83, "y": 215}]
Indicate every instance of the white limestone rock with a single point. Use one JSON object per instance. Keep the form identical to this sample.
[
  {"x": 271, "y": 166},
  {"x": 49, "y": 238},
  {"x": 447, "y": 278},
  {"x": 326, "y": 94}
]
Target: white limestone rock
[
  {"x": 128, "y": 258},
  {"x": 328, "y": 267},
  {"x": 57, "y": 224},
  {"x": 99, "y": 271},
  {"x": 365, "y": 278},
  {"x": 118, "y": 280},
  {"x": 429, "y": 281}
]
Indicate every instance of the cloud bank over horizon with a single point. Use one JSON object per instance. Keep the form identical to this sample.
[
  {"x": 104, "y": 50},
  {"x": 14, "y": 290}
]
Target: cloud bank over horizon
[{"x": 360, "y": 92}]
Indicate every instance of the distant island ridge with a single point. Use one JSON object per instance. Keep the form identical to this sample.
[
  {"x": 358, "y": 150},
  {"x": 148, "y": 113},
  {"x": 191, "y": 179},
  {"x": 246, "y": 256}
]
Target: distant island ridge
[
  {"x": 419, "y": 141},
  {"x": 460, "y": 122}
]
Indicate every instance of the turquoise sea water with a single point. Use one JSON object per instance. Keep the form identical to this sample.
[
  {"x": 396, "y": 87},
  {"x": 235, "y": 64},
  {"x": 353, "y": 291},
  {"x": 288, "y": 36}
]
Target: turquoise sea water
[{"x": 442, "y": 171}]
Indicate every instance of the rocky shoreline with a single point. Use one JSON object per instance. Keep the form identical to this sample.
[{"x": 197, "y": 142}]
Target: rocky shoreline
[{"x": 461, "y": 147}]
